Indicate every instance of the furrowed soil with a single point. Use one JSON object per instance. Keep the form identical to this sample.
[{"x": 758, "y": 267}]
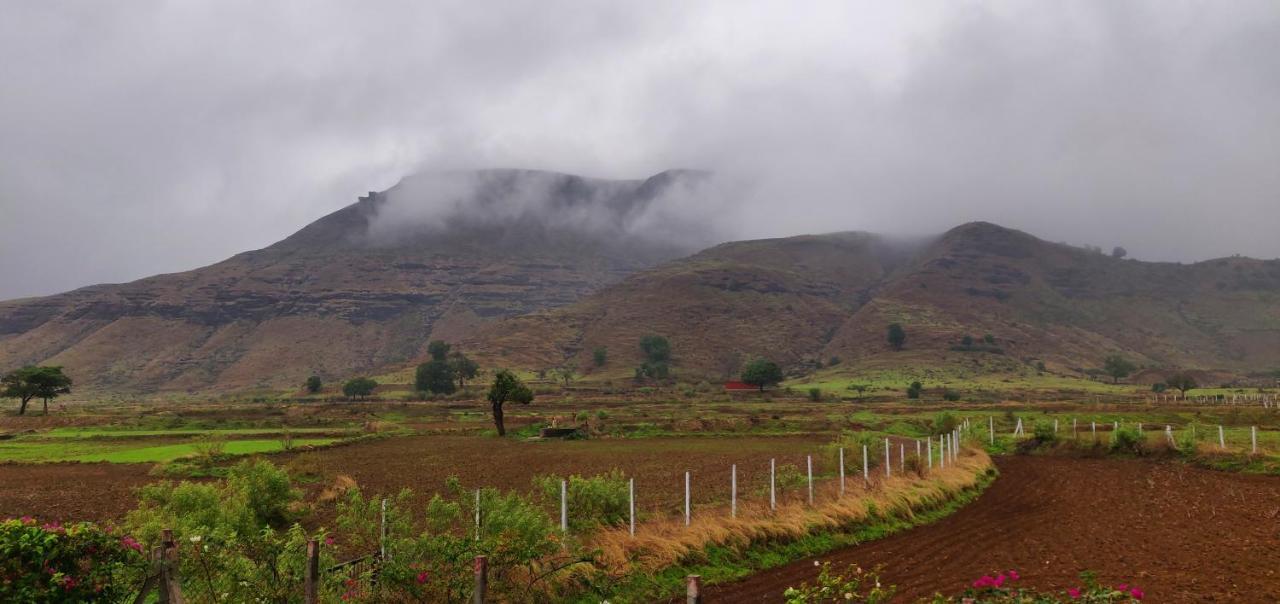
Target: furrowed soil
[{"x": 1182, "y": 534}]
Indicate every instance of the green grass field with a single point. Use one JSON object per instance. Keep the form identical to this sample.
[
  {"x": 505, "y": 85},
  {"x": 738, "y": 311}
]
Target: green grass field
[{"x": 37, "y": 450}]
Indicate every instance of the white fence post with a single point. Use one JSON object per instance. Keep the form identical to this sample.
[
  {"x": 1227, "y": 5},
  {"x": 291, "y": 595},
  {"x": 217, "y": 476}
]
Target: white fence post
[
  {"x": 773, "y": 490},
  {"x": 991, "y": 427},
  {"x": 929, "y": 450},
  {"x": 1222, "y": 439},
  {"x": 902, "y": 457},
  {"x": 808, "y": 460},
  {"x": 382, "y": 539},
  {"x": 477, "y": 514},
  {"x": 1094, "y": 425},
  {"x": 631, "y": 495},
  {"x": 564, "y": 506},
  {"x": 1253, "y": 436},
  {"x": 888, "y": 467},
  {"x": 733, "y": 490},
  {"x": 842, "y": 470},
  {"x": 686, "y": 498}
]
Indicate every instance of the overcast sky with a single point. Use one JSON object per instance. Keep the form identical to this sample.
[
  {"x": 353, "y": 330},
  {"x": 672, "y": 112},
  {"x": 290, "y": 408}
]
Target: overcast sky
[{"x": 146, "y": 136}]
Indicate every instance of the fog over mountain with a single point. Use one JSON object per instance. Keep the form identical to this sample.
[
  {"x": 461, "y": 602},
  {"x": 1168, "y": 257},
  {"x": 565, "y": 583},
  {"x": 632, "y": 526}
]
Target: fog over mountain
[{"x": 159, "y": 136}]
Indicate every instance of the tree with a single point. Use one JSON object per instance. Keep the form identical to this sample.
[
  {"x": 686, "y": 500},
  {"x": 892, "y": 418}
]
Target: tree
[
  {"x": 1118, "y": 252},
  {"x": 1117, "y": 367},
  {"x": 314, "y": 384},
  {"x": 506, "y": 387},
  {"x": 988, "y": 339},
  {"x": 914, "y": 390},
  {"x": 42, "y": 382},
  {"x": 1182, "y": 381},
  {"x": 463, "y": 368},
  {"x": 897, "y": 336},
  {"x": 762, "y": 373},
  {"x": 861, "y": 389},
  {"x": 436, "y": 375},
  {"x": 657, "y": 354},
  {"x": 967, "y": 341},
  {"x": 359, "y": 387},
  {"x": 564, "y": 373},
  {"x": 600, "y": 356}
]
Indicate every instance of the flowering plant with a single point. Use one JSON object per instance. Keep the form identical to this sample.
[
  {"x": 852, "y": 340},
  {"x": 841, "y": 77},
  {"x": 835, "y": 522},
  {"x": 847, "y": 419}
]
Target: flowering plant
[
  {"x": 855, "y": 585},
  {"x": 999, "y": 588},
  {"x": 74, "y": 563}
]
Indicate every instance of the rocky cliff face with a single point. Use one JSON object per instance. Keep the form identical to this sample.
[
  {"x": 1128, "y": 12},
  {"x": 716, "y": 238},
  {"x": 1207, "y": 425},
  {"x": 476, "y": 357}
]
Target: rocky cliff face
[{"x": 362, "y": 288}]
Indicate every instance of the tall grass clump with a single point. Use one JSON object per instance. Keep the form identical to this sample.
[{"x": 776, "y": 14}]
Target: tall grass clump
[
  {"x": 1127, "y": 441},
  {"x": 596, "y": 500}
]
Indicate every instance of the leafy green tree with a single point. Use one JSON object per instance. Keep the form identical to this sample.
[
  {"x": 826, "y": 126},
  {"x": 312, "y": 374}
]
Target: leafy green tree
[
  {"x": 1182, "y": 381},
  {"x": 314, "y": 384},
  {"x": 657, "y": 355},
  {"x": 463, "y": 368},
  {"x": 359, "y": 387},
  {"x": 32, "y": 381},
  {"x": 435, "y": 376},
  {"x": 914, "y": 390},
  {"x": 1117, "y": 367},
  {"x": 506, "y": 387},
  {"x": 762, "y": 373},
  {"x": 897, "y": 336},
  {"x": 600, "y": 356}
]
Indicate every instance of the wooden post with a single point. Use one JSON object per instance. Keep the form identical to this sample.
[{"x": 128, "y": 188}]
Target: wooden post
[
  {"x": 693, "y": 589},
  {"x": 631, "y": 493},
  {"x": 311, "y": 581},
  {"x": 733, "y": 492},
  {"x": 170, "y": 586},
  {"x": 482, "y": 580}
]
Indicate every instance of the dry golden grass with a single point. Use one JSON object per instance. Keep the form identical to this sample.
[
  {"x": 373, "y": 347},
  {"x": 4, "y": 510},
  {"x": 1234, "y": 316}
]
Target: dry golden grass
[{"x": 666, "y": 542}]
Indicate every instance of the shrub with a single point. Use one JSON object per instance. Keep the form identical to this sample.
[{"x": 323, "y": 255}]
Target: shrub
[
  {"x": 1127, "y": 440},
  {"x": 593, "y": 501},
  {"x": 256, "y": 495},
  {"x": 950, "y": 395},
  {"x": 913, "y": 391},
  {"x": 852, "y": 442},
  {"x": 209, "y": 449},
  {"x": 944, "y": 423},
  {"x": 815, "y": 394},
  {"x": 1044, "y": 432},
  {"x": 77, "y": 563}
]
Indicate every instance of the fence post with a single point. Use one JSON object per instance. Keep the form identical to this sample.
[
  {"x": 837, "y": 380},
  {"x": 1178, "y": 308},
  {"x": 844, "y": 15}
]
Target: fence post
[
  {"x": 733, "y": 490},
  {"x": 1253, "y": 436},
  {"x": 866, "y": 474},
  {"x": 1222, "y": 440},
  {"x": 482, "y": 580},
  {"x": 382, "y": 531},
  {"x": 902, "y": 458},
  {"x": 564, "y": 506},
  {"x": 311, "y": 582},
  {"x": 1094, "y": 427},
  {"x": 477, "y": 514},
  {"x": 693, "y": 589},
  {"x": 917, "y": 449},
  {"x": 991, "y": 428},
  {"x": 888, "y": 467},
  {"x": 809, "y": 465},
  {"x": 631, "y": 497},
  {"x": 170, "y": 586},
  {"x": 842, "y": 470},
  {"x": 929, "y": 449},
  {"x": 686, "y": 498},
  {"x": 773, "y": 489}
]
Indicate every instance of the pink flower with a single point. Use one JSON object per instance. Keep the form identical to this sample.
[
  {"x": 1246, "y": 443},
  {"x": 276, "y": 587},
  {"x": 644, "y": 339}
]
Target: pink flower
[
  {"x": 131, "y": 543},
  {"x": 1074, "y": 592},
  {"x": 328, "y": 540},
  {"x": 68, "y": 582},
  {"x": 985, "y": 581},
  {"x": 1013, "y": 575},
  {"x": 999, "y": 580},
  {"x": 422, "y": 577},
  {"x": 28, "y": 520},
  {"x": 1122, "y": 587},
  {"x": 1136, "y": 593}
]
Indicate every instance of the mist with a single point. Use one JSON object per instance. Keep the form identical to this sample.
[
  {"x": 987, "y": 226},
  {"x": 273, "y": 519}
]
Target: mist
[{"x": 160, "y": 136}]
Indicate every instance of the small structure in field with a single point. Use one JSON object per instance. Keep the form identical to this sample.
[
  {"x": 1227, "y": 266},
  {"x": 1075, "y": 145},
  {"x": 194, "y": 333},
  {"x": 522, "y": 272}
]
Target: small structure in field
[{"x": 739, "y": 387}]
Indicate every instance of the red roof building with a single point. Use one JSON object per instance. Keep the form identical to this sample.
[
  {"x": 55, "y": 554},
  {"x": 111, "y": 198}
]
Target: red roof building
[{"x": 731, "y": 386}]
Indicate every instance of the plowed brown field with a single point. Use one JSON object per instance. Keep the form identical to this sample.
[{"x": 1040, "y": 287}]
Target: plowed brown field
[{"x": 1182, "y": 534}]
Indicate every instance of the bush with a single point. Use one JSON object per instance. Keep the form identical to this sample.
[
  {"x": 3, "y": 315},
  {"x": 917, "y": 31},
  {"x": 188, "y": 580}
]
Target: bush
[
  {"x": 815, "y": 394},
  {"x": 914, "y": 390},
  {"x": 1127, "y": 440},
  {"x": 944, "y": 423},
  {"x": 598, "y": 500},
  {"x": 1044, "y": 432},
  {"x": 852, "y": 443},
  {"x": 256, "y": 495},
  {"x": 950, "y": 396},
  {"x": 77, "y": 563},
  {"x": 854, "y": 585}
]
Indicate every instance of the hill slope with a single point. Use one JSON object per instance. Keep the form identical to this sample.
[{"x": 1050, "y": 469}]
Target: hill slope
[
  {"x": 362, "y": 288},
  {"x": 803, "y": 300}
]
